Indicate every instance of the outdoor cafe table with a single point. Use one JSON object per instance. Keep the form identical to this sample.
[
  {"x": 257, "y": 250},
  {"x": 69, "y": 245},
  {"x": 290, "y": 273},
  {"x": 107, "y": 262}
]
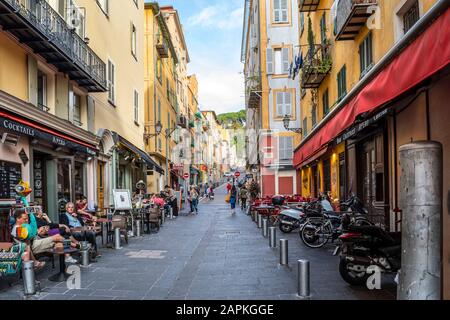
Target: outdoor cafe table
[{"x": 62, "y": 275}]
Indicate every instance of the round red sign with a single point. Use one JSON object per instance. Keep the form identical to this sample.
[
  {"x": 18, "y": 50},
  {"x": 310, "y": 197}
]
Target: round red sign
[
  {"x": 186, "y": 175},
  {"x": 237, "y": 174}
]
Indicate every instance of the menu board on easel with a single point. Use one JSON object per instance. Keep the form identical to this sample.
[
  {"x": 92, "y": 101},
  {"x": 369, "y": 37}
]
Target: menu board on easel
[{"x": 10, "y": 176}]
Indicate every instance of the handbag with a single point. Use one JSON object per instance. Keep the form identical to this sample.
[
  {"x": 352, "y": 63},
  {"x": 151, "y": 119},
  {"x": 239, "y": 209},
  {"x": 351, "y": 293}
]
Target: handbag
[{"x": 227, "y": 198}]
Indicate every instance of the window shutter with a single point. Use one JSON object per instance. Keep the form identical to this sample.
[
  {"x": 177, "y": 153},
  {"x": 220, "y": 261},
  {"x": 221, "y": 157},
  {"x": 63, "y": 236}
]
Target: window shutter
[
  {"x": 287, "y": 103},
  {"x": 288, "y": 147},
  {"x": 281, "y": 148},
  {"x": 277, "y": 11},
  {"x": 269, "y": 59},
  {"x": 280, "y": 103},
  {"x": 71, "y": 103},
  {"x": 284, "y": 10},
  {"x": 285, "y": 57}
]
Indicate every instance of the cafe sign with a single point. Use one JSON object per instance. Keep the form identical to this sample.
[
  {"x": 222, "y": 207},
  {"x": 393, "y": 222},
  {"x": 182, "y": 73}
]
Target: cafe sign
[
  {"x": 23, "y": 129},
  {"x": 361, "y": 126}
]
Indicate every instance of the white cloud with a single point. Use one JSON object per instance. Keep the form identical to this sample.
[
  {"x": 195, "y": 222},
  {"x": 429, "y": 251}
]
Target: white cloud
[
  {"x": 217, "y": 17},
  {"x": 221, "y": 87}
]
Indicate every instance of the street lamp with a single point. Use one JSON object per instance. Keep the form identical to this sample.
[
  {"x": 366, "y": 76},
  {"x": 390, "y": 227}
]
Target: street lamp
[
  {"x": 287, "y": 121},
  {"x": 158, "y": 129}
]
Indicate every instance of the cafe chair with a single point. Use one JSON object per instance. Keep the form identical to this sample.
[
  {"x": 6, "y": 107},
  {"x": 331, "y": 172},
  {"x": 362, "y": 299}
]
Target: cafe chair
[{"x": 122, "y": 225}]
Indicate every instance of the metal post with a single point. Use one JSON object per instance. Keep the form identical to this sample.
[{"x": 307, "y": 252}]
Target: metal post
[
  {"x": 259, "y": 221},
  {"x": 273, "y": 237},
  {"x": 117, "y": 239},
  {"x": 138, "y": 228},
  {"x": 421, "y": 203},
  {"x": 303, "y": 278},
  {"x": 252, "y": 213},
  {"x": 104, "y": 227},
  {"x": 29, "y": 283},
  {"x": 163, "y": 216},
  {"x": 284, "y": 260},
  {"x": 85, "y": 258},
  {"x": 265, "y": 227},
  {"x": 171, "y": 212}
]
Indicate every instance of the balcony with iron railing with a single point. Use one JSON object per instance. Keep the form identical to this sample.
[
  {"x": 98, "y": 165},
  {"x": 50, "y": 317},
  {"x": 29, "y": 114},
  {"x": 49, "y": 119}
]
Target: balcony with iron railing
[
  {"x": 308, "y": 5},
  {"x": 36, "y": 24},
  {"x": 351, "y": 16},
  {"x": 316, "y": 66},
  {"x": 161, "y": 46},
  {"x": 253, "y": 91}
]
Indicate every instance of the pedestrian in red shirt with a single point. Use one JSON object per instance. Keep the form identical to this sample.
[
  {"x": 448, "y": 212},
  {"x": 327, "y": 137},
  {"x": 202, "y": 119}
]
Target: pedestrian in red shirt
[{"x": 229, "y": 187}]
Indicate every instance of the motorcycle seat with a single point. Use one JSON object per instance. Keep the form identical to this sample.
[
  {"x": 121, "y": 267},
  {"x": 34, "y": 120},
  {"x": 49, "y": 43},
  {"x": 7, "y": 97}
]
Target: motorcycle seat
[
  {"x": 374, "y": 231},
  {"x": 333, "y": 213},
  {"x": 392, "y": 250}
]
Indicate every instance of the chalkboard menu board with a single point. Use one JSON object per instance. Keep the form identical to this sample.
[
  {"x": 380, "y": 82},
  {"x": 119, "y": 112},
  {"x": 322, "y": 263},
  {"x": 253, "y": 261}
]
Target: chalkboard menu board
[{"x": 10, "y": 176}]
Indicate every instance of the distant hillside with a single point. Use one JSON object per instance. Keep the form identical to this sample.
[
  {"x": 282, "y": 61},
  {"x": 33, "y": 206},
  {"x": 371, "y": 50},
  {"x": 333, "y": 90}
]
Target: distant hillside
[{"x": 232, "y": 119}]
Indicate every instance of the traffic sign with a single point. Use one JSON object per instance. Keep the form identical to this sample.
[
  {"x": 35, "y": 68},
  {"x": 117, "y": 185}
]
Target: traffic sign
[
  {"x": 186, "y": 176},
  {"x": 237, "y": 174}
]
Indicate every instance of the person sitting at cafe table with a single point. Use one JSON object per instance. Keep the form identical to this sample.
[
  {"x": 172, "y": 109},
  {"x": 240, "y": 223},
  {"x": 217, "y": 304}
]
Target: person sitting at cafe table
[
  {"x": 76, "y": 224},
  {"x": 82, "y": 209},
  {"x": 25, "y": 230}
]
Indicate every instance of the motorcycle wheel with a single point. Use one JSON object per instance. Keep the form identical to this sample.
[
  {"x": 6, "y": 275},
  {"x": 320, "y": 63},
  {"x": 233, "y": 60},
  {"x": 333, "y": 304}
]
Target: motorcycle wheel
[
  {"x": 313, "y": 237},
  {"x": 285, "y": 228},
  {"x": 350, "y": 276}
]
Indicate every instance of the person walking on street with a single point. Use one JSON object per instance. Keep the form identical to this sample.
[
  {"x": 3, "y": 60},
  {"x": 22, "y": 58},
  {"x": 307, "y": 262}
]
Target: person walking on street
[
  {"x": 243, "y": 195},
  {"x": 193, "y": 196},
  {"x": 233, "y": 198}
]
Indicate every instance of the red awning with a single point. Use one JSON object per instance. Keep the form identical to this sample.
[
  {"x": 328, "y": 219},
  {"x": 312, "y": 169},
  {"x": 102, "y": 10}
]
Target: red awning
[{"x": 426, "y": 55}]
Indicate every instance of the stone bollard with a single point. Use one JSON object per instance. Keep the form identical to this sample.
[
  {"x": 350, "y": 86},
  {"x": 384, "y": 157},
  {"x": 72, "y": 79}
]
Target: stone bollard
[
  {"x": 303, "y": 279},
  {"x": 137, "y": 228},
  {"x": 273, "y": 237},
  {"x": 265, "y": 227},
  {"x": 117, "y": 239},
  {"x": 284, "y": 259},
  {"x": 259, "y": 221},
  {"x": 29, "y": 281}
]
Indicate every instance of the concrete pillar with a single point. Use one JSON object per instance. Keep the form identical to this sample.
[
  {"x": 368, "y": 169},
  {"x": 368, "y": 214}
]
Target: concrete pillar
[{"x": 421, "y": 202}]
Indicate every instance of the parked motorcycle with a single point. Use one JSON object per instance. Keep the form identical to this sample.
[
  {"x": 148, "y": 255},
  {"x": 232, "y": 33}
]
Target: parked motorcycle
[
  {"x": 324, "y": 224},
  {"x": 364, "y": 246}
]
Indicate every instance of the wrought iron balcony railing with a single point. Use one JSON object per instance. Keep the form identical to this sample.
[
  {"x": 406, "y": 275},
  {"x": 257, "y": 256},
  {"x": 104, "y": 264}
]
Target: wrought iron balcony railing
[
  {"x": 351, "y": 16},
  {"x": 253, "y": 91},
  {"x": 36, "y": 24},
  {"x": 316, "y": 66},
  {"x": 308, "y": 5}
]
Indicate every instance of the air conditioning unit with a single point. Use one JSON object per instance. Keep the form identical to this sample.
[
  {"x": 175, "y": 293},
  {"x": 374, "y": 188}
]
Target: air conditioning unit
[{"x": 74, "y": 17}]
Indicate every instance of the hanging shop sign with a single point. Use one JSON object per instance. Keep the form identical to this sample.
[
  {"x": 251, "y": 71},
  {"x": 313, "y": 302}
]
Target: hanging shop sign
[
  {"x": 36, "y": 133},
  {"x": 361, "y": 126}
]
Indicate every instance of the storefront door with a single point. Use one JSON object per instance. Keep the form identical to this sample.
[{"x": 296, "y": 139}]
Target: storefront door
[
  {"x": 101, "y": 185},
  {"x": 65, "y": 182},
  {"x": 373, "y": 180}
]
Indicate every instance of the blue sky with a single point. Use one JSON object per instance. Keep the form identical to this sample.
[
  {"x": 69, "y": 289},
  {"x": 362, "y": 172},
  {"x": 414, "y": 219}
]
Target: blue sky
[{"x": 213, "y": 31}]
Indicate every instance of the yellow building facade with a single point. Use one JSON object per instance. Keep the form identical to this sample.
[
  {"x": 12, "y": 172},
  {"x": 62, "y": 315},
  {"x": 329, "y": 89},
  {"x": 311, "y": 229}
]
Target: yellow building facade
[
  {"x": 317, "y": 102},
  {"x": 80, "y": 92},
  {"x": 375, "y": 82},
  {"x": 161, "y": 105}
]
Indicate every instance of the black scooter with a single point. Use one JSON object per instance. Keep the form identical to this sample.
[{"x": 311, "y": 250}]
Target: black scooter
[{"x": 364, "y": 246}]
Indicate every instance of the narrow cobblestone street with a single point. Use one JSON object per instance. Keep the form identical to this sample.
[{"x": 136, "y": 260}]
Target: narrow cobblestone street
[{"x": 212, "y": 255}]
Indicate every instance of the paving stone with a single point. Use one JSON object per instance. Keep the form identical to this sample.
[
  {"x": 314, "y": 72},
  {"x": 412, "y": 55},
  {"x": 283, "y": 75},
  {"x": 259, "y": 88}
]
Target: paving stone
[{"x": 211, "y": 256}]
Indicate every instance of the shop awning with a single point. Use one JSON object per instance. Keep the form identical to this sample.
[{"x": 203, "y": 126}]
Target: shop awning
[
  {"x": 315, "y": 156},
  {"x": 151, "y": 164},
  {"x": 28, "y": 128},
  {"x": 426, "y": 55}
]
